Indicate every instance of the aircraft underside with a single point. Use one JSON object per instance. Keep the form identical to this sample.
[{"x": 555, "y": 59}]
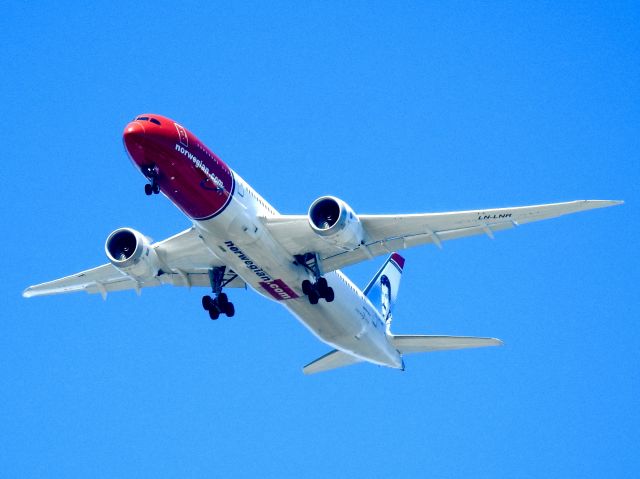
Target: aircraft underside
[{"x": 238, "y": 239}]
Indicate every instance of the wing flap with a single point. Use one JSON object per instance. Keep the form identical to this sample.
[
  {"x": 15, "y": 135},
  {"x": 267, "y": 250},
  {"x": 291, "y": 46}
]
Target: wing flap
[
  {"x": 107, "y": 279},
  {"x": 386, "y": 246},
  {"x": 422, "y": 344}
]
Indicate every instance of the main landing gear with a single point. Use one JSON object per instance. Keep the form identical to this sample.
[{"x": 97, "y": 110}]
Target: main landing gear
[
  {"x": 219, "y": 304},
  {"x": 319, "y": 288},
  {"x": 152, "y": 188}
]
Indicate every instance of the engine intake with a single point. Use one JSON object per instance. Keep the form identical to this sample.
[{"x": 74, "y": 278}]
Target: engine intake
[
  {"x": 131, "y": 252},
  {"x": 335, "y": 221}
]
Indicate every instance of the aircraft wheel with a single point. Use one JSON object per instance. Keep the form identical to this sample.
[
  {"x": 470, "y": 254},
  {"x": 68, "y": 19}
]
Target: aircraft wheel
[
  {"x": 214, "y": 314},
  {"x": 207, "y": 303},
  {"x": 230, "y": 310},
  {"x": 313, "y": 296},
  {"x": 155, "y": 189},
  {"x": 322, "y": 285},
  {"x": 306, "y": 287},
  {"x": 223, "y": 300},
  {"x": 329, "y": 295},
  {"x": 148, "y": 189}
]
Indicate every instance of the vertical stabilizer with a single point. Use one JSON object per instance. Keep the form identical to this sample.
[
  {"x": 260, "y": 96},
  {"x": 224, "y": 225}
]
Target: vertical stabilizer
[{"x": 382, "y": 290}]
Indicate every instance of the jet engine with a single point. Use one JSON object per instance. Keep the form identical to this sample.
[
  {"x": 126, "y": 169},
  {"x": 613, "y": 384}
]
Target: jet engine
[
  {"x": 131, "y": 253},
  {"x": 334, "y": 220}
]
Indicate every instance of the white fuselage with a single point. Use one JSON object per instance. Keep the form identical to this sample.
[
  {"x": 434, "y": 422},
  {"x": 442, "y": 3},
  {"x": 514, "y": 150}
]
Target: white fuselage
[{"x": 349, "y": 323}]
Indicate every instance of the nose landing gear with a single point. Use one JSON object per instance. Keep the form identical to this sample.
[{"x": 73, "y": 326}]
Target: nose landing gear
[
  {"x": 219, "y": 304},
  {"x": 151, "y": 172},
  {"x": 151, "y": 189}
]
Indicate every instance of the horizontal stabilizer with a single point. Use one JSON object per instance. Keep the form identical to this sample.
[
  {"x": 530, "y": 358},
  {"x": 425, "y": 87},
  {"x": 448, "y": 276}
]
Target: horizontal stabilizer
[
  {"x": 422, "y": 344},
  {"x": 333, "y": 360}
]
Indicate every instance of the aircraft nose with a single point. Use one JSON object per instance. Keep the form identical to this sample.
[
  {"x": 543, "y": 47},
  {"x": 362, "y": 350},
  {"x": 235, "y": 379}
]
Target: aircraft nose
[
  {"x": 133, "y": 139},
  {"x": 133, "y": 132}
]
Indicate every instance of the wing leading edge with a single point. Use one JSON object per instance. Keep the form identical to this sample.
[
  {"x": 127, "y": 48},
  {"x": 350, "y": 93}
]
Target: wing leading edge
[{"x": 388, "y": 233}]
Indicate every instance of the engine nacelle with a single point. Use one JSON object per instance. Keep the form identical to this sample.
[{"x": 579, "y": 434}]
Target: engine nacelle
[
  {"x": 131, "y": 252},
  {"x": 334, "y": 220}
]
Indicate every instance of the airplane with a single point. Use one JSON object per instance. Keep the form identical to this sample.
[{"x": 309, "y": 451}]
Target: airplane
[{"x": 237, "y": 239}]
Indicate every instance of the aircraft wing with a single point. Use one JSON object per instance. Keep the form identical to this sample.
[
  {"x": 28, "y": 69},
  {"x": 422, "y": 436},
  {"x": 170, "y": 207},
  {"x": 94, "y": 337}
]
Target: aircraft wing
[
  {"x": 186, "y": 262},
  {"x": 387, "y": 233}
]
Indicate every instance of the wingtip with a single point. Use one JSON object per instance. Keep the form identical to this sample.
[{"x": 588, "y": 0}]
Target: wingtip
[
  {"x": 28, "y": 293},
  {"x": 604, "y": 203}
]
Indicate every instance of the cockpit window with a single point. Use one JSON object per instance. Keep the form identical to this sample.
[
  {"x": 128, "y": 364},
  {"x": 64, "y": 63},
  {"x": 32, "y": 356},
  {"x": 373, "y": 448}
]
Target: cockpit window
[
  {"x": 153, "y": 120},
  {"x": 143, "y": 118}
]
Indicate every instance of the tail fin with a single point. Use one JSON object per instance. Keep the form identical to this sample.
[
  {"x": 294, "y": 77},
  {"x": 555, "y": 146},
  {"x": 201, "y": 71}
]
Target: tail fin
[{"x": 382, "y": 290}]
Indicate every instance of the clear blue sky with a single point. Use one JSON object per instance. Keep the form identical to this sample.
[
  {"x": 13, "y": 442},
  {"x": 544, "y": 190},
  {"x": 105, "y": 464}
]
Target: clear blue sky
[{"x": 393, "y": 106}]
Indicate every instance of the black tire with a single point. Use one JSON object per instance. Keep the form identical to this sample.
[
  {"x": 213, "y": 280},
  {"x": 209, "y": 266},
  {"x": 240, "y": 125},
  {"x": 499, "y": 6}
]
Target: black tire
[
  {"x": 313, "y": 296},
  {"x": 207, "y": 302},
  {"x": 155, "y": 189},
  {"x": 329, "y": 295},
  {"x": 148, "y": 189},
  {"x": 223, "y": 300},
  {"x": 230, "y": 310},
  {"x": 322, "y": 285},
  {"x": 306, "y": 287},
  {"x": 214, "y": 313}
]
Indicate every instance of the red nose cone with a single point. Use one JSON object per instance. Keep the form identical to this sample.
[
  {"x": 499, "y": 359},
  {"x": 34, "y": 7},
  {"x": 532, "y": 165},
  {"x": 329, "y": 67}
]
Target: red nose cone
[
  {"x": 133, "y": 137},
  {"x": 134, "y": 131}
]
